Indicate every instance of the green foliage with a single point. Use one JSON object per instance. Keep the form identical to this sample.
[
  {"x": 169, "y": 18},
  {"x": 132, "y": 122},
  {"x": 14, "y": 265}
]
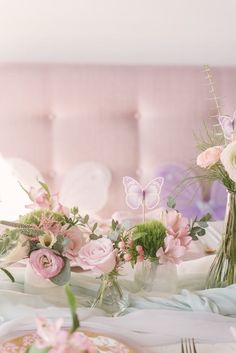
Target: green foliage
[
  {"x": 64, "y": 276},
  {"x": 45, "y": 187},
  {"x": 73, "y": 306},
  {"x": 150, "y": 235},
  {"x": 171, "y": 203},
  {"x": 60, "y": 244},
  {"x": 34, "y": 217},
  {"x": 197, "y": 228},
  {"x": 34, "y": 349},
  {"x": 9, "y": 275},
  {"x": 8, "y": 240}
]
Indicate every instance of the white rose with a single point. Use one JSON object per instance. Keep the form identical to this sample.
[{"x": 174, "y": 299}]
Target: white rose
[
  {"x": 228, "y": 159},
  {"x": 19, "y": 252}
]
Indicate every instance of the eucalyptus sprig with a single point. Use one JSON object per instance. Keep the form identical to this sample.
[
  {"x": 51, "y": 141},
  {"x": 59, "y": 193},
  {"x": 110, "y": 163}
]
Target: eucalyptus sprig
[{"x": 198, "y": 227}]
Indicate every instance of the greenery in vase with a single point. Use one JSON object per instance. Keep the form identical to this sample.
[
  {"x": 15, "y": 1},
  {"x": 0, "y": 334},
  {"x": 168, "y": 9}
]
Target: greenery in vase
[
  {"x": 150, "y": 236},
  {"x": 50, "y": 236}
]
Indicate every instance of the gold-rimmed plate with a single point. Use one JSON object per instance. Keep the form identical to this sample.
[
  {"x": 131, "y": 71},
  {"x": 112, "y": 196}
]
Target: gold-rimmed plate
[{"x": 104, "y": 343}]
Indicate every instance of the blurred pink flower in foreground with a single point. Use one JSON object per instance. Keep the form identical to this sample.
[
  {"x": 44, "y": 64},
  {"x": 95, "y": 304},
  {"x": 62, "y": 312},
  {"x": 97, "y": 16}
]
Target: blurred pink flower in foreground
[
  {"x": 51, "y": 335},
  {"x": 172, "y": 252}
]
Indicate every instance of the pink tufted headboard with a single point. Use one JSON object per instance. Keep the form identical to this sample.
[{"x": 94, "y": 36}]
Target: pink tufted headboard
[{"x": 131, "y": 118}]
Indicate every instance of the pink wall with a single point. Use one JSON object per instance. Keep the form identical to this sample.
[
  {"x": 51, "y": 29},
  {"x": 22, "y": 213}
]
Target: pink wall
[{"x": 131, "y": 118}]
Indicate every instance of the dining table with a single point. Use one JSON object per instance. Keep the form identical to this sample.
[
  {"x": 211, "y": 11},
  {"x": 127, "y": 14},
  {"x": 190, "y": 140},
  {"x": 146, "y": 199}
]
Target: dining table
[{"x": 155, "y": 321}]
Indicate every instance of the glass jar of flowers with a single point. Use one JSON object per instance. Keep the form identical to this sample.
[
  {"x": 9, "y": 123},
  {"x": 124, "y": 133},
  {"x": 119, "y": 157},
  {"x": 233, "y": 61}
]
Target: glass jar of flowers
[
  {"x": 157, "y": 246},
  {"x": 104, "y": 256},
  {"x": 48, "y": 239}
]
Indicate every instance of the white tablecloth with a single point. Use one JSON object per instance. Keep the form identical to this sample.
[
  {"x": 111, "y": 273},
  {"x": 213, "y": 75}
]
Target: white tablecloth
[{"x": 153, "y": 328}]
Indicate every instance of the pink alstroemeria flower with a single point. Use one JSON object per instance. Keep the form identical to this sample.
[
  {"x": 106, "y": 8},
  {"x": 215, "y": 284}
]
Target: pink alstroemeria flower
[
  {"x": 46, "y": 263},
  {"x": 172, "y": 252},
  {"x": 50, "y": 333},
  {"x": 178, "y": 227},
  {"x": 39, "y": 197},
  {"x": 42, "y": 199}
]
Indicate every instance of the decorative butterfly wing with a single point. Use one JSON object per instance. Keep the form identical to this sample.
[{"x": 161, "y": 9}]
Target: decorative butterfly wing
[
  {"x": 134, "y": 192},
  {"x": 227, "y": 124},
  {"x": 152, "y": 193}
]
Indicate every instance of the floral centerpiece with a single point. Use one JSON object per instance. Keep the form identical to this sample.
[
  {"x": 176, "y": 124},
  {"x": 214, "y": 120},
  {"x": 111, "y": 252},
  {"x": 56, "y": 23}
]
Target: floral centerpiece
[
  {"x": 157, "y": 242},
  {"x": 104, "y": 257},
  {"x": 218, "y": 160},
  {"x": 49, "y": 237}
]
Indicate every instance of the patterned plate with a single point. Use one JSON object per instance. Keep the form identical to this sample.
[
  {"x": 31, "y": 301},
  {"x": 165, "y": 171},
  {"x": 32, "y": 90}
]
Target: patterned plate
[{"x": 103, "y": 343}]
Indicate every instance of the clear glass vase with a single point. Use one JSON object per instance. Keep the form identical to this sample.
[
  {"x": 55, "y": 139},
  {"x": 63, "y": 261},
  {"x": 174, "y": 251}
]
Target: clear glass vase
[
  {"x": 223, "y": 269},
  {"x": 110, "y": 297},
  {"x": 150, "y": 276},
  {"x": 145, "y": 274},
  {"x": 35, "y": 284}
]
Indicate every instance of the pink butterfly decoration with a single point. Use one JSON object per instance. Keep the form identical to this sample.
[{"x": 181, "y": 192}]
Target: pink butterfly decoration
[
  {"x": 147, "y": 197},
  {"x": 228, "y": 125}
]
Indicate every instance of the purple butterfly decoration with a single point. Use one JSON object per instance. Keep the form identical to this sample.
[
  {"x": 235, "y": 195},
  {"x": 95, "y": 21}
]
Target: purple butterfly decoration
[{"x": 228, "y": 125}]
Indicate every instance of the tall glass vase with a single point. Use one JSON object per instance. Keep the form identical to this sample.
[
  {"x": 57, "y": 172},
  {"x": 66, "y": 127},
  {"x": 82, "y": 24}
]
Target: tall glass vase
[
  {"x": 110, "y": 296},
  {"x": 223, "y": 269}
]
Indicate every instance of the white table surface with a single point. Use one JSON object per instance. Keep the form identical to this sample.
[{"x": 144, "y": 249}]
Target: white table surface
[{"x": 153, "y": 330}]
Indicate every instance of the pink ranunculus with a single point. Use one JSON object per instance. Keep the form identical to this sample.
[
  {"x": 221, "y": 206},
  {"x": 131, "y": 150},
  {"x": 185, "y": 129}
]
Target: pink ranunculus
[
  {"x": 172, "y": 252},
  {"x": 46, "y": 263},
  {"x": 76, "y": 240},
  {"x": 209, "y": 157},
  {"x": 98, "y": 256}
]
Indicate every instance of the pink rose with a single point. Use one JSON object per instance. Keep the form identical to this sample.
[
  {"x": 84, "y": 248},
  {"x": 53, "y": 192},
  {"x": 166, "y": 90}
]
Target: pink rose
[
  {"x": 46, "y": 263},
  {"x": 209, "y": 157},
  {"x": 98, "y": 256},
  {"x": 173, "y": 251},
  {"x": 76, "y": 241}
]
